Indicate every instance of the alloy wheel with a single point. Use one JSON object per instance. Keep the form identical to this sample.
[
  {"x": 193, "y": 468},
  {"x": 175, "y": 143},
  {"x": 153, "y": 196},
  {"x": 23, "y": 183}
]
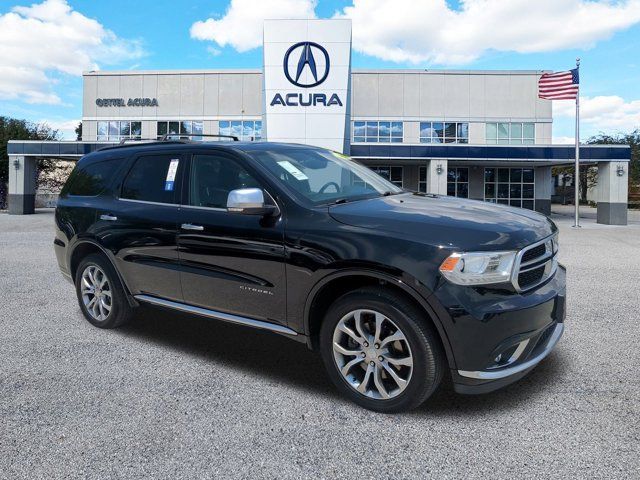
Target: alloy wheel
[
  {"x": 372, "y": 354},
  {"x": 96, "y": 292}
]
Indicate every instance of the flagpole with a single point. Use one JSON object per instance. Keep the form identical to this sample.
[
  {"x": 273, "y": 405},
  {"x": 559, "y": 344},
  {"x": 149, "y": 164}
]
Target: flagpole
[{"x": 576, "y": 180}]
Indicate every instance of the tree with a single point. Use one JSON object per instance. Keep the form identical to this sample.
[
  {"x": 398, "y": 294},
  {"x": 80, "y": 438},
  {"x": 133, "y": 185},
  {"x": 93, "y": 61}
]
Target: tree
[
  {"x": 633, "y": 140},
  {"x": 15, "y": 129},
  {"x": 589, "y": 174},
  {"x": 79, "y": 132}
]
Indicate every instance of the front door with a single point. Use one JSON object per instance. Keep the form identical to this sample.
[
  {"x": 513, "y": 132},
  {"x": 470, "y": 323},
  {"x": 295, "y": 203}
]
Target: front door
[{"x": 230, "y": 262}]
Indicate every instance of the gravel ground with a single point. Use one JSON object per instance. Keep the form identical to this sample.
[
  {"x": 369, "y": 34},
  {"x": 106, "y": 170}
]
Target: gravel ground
[{"x": 176, "y": 397}]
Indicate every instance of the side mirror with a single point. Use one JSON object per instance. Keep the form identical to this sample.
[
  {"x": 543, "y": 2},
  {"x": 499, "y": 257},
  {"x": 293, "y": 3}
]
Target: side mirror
[{"x": 250, "y": 201}]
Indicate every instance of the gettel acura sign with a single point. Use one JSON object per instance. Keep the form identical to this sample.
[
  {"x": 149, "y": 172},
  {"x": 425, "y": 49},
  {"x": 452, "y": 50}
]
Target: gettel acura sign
[
  {"x": 132, "y": 102},
  {"x": 319, "y": 73}
]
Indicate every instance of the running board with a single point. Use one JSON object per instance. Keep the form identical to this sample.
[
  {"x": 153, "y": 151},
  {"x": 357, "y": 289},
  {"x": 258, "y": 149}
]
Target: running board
[{"x": 225, "y": 317}]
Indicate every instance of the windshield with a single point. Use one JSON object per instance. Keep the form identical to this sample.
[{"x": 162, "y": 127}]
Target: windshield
[{"x": 323, "y": 176}]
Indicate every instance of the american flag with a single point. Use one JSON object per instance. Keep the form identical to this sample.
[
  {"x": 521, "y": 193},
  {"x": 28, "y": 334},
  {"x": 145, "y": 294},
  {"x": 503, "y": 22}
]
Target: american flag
[{"x": 559, "y": 85}]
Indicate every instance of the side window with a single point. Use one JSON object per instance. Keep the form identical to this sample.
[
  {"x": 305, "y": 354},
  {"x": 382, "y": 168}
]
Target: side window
[
  {"x": 153, "y": 178},
  {"x": 91, "y": 180},
  {"x": 213, "y": 177}
]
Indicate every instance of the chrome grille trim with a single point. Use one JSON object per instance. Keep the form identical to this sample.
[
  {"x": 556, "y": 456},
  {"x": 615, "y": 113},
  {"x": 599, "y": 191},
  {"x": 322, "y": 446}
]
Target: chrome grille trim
[{"x": 548, "y": 260}]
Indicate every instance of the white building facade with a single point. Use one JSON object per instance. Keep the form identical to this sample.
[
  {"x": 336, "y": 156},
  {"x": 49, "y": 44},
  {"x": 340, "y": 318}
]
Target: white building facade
[{"x": 479, "y": 134}]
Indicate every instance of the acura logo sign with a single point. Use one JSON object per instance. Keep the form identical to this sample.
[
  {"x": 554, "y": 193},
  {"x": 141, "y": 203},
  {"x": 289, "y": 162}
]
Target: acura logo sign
[{"x": 307, "y": 53}]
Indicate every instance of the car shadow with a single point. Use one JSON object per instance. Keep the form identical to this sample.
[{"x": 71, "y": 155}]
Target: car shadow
[
  {"x": 294, "y": 365},
  {"x": 271, "y": 355}
]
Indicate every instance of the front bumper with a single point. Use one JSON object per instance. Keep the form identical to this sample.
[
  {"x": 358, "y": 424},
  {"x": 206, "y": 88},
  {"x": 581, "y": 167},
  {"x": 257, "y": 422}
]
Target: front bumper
[
  {"x": 493, "y": 380},
  {"x": 497, "y": 338}
]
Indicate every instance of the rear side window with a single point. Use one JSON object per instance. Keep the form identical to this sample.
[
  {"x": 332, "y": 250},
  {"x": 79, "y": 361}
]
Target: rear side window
[
  {"x": 153, "y": 178},
  {"x": 91, "y": 180}
]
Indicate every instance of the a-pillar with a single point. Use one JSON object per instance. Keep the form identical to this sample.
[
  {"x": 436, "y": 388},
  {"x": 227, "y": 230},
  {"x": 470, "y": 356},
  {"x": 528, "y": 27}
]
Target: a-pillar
[
  {"x": 612, "y": 192},
  {"x": 22, "y": 185},
  {"x": 437, "y": 177}
]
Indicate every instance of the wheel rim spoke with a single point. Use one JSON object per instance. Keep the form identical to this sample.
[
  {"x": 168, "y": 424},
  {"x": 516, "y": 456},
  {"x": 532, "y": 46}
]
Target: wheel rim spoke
[
  {"x": 362, "y": 388},
  {"x": 379, "y": 319},
  {"x": 402, "y": 383},
  {"x": 344, "y": 351},
  {"x": 406, "y": 361},
  {"x": 348, "y": 366},
  {"x": 96, "y": 292},
  {"x": 358, "y": 322},
  {"x": 372, "y": 354},
  {"x": 343, "y": 328},
  {"x": 392, "y": 338}
]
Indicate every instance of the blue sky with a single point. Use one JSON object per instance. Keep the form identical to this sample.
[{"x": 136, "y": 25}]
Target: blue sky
[{"x": 46, "y": 48}]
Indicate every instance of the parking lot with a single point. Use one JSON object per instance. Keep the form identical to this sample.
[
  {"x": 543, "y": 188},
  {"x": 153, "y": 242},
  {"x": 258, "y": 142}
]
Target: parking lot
[{"x": 177, "y": 397}]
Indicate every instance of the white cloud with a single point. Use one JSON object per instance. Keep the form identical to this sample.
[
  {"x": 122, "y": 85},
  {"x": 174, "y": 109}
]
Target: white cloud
[
  {"x": 213, "y": 51},
  {"x": 563, "y": 140},
  {"x": 50, "y": 38},
  {"x": 431, "y": 31},
  {"x": 241, "y": 25},
  {"x": 603, "y": 113}
]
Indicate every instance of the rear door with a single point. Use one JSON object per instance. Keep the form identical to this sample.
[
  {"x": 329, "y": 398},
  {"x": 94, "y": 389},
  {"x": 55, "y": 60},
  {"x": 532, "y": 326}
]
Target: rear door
[
  {"x": 230, "y": 262},
  {"x": 143, "y": 225}
]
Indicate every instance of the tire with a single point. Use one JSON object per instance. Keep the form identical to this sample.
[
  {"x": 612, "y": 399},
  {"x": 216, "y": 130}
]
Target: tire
[
  {"x": 111, "y": 308},
  {"x": 416, "y": 344}
]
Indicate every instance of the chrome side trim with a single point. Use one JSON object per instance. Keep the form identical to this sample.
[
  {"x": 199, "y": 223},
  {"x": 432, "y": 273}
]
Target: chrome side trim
[
  {"x": 507, "y": 372},
  {"x": 225, "y": 317},
  {"x": 146, "y": 202}
]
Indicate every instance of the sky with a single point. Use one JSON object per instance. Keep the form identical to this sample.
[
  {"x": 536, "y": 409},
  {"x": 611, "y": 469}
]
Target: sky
[{"x": 45, "y": 46}]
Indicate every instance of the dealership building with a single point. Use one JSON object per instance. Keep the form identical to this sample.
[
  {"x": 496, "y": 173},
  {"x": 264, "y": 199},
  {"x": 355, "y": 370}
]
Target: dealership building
[{"x": 484, "y": 135}]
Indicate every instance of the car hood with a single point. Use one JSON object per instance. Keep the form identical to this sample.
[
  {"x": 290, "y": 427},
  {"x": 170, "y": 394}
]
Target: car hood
[{"x": 447, "y": 221}]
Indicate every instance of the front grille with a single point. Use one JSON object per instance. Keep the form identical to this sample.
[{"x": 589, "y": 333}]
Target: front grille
[
  {"x": 535, "y": 264},
  {"x": 531, "y": 277},
  {"x": 534, "y": 253}
]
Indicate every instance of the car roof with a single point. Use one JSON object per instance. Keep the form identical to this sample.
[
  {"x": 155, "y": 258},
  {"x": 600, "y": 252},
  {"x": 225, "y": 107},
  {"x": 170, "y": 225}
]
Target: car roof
[{"x": 127, "y": 149}]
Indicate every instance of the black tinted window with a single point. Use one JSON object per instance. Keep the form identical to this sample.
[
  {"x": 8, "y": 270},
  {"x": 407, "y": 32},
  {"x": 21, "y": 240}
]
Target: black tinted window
[
  {"x": 153, "y": 178},
  {"x": 90, "y": 180},
  {"x": 213, "y": 177}
]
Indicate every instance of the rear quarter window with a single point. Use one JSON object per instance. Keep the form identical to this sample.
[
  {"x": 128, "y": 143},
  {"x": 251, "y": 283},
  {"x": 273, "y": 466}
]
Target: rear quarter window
[{"x": 91, "y": 180}]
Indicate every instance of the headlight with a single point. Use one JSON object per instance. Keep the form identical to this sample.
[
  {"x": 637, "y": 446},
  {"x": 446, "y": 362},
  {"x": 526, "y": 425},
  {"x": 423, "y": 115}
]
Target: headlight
[{"x": 478, "y": 268}]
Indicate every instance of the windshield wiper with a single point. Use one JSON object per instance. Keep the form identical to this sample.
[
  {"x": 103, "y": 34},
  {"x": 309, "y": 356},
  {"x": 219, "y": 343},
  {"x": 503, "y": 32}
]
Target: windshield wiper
[
  {"x": 389, "y": 192},
  {"x": 339, "y": 201}
]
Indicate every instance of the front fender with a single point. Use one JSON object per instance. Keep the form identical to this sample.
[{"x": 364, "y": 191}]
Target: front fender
[{"x": 402, "y": 281}]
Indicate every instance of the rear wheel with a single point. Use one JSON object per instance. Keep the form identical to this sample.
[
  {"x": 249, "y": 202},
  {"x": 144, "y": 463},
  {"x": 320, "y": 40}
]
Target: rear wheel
[
  {"x": 380, "y": 351},
  {"x": 100, "y": 293}
]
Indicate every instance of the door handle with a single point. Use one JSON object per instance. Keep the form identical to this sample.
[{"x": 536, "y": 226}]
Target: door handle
[
  {"x": 191, "y": 226},
  {"x": 109, "y": 218}
]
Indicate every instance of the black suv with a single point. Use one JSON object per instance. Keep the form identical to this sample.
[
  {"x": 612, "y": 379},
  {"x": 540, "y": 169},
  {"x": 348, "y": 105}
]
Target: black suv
[{"x": 394, "y": 288}]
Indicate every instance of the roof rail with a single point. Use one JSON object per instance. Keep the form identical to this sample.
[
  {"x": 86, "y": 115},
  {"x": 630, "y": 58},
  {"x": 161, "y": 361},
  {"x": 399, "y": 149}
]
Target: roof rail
[
  {"x": 122, "y": 144},
  {"x": 180, "y": 136},
  {"x": 141, "y": 140}
]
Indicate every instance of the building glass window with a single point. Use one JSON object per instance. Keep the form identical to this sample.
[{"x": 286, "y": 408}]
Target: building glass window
[
  {"x": 182, "y": 127},
  {"x": 510, "y": 186},
  {"x": 510, "y": 133},
  {"x": 422, "y": 180},
  {"x": 246, "y": 130},
  {"x": 116, "y": 130},
  {"x": 444, "y": 132},
  {"x": 458, "y": 182},
  {"x": 378, "y": 132},
  {"x": 393, "y": 174}
]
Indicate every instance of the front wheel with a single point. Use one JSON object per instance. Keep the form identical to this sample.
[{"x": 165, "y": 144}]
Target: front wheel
[{"x": 380, "y": 351}]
